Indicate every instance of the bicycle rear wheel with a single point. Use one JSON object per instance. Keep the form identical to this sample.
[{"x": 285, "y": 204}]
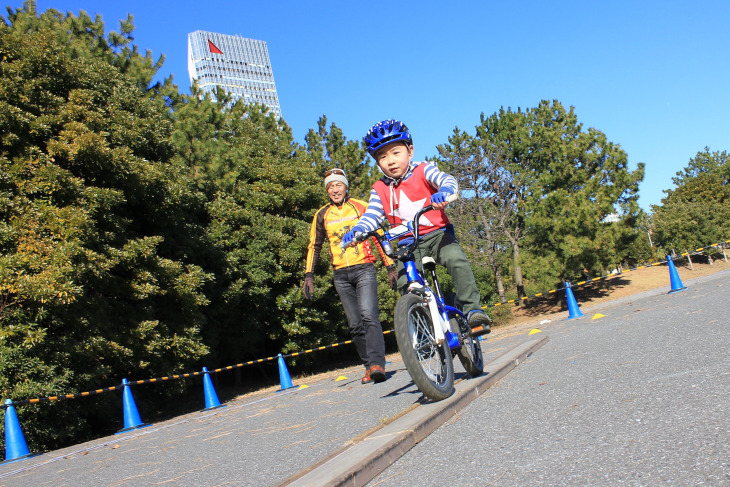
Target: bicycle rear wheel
[
  {"x": 470, "y": 353},
  {"x": 429, "y": 364}
]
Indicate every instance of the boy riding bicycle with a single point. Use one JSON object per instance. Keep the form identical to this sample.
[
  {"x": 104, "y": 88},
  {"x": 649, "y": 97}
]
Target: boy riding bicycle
[{"x": 406, "y": 188}]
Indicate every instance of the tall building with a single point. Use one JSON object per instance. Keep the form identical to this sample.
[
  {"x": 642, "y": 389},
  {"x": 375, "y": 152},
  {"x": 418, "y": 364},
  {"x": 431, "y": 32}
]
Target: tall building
[{"x": 238, "y": 65}]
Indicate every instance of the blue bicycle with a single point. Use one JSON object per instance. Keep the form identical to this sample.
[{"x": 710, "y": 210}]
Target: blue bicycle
[{"x": 429, "y": 327}]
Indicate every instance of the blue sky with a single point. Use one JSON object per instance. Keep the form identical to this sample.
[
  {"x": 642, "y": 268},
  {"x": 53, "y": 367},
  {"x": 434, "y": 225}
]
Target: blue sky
[{"x": 652, "y": 75}]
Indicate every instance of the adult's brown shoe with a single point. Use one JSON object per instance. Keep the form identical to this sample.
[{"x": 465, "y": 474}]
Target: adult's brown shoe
[
  {"x": 367, "y": 379},
  {"x": 377, "y": 373}
]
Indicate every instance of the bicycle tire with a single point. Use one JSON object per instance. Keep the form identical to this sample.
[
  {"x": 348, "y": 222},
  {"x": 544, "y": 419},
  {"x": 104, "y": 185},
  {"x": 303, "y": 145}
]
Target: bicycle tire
[
  {"x": 470, "y": 352},
  {"x": 430, "y": 365}
]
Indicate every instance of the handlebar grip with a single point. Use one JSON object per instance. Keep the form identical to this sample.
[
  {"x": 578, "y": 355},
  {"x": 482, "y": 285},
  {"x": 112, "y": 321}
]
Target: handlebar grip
[{"x": 359, "y": 237}]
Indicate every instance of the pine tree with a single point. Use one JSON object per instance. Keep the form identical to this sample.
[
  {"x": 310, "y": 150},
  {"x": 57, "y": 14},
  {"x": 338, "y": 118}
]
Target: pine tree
[
  {"x": 96, "y": 223},
  {"x": 330, "y": 148},
  {"x": 573, "y": 179},
  {"x": 484, "y": 214},
  {"x": 697, "y": 212},
  {"x": 544, "y": 185}
]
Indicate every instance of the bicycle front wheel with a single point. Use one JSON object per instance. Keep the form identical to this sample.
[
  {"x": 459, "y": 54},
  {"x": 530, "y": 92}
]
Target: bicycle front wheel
[{"x": 430, "y": 365}]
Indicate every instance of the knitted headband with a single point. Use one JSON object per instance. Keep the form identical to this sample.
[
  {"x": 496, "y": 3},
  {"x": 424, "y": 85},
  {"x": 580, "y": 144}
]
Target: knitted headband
[{"x": 336, "y": 177}]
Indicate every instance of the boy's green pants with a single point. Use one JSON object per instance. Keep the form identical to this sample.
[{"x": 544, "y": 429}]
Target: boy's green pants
[{"x": 446, "y": 251}]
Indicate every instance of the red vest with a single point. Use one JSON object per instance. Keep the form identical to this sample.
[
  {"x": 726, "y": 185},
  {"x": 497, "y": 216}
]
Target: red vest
[{"x": 402, "y": 202}]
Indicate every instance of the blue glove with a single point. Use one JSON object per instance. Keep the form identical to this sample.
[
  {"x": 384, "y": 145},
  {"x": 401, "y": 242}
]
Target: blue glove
[
  {"x": 347, "y": 239},
  {"x": 439, "y": 197}
]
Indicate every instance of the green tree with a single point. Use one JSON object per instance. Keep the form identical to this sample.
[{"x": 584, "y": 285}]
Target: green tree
[
  {"x": 330, "y": 148},
  {"x": 507, "y": 134},
  {"x": 640, "y": 248},
  {"x": 545, "y": 186},
  {"x": 262, "y": 192},
  {"x": 705, "y": 162},
  {"x": 94, "y": 283},
  {"x": 697, "y": 212},
  {"x": 574, "y": 180},
  {"x": 485, "y": 211},
  {"x": 83, "y": 38}
]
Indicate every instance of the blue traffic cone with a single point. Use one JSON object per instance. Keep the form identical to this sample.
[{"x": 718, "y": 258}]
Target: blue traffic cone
[
  {"x": 132, "y": 420},
  {"x": 15, "y": 446},
  {"x": 211, "y": 398},
  {"x": 674, "y": 277},
  {"x": 573, "y": 309},
  {"x": 284, "y": 376}
]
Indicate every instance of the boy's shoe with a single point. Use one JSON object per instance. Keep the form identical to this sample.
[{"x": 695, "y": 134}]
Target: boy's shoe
[
  {"x": 367, "y": 379},
  {"x": 479, "y": 322},
  {"x": 377, "y": 373}
]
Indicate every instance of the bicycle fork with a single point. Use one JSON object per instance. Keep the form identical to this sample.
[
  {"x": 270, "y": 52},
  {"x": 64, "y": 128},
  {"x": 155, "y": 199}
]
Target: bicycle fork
[{"x": 441, "y": 327}]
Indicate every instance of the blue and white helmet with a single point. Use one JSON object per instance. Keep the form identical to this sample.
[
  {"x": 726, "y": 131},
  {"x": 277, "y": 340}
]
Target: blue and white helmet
[{"x": 385, "y": 132}]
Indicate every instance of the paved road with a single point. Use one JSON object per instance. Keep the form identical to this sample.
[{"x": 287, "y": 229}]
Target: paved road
[
  {"x": 256, "y": 441},
  {"x": 638, "y": 397}
]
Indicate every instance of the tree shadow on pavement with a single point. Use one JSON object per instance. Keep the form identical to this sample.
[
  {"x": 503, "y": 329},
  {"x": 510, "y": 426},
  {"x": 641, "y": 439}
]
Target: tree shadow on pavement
[{"x": 556, "y": 302}]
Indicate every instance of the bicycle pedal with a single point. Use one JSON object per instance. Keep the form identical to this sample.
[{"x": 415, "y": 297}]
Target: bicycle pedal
[{"x": 478, "y": 331}]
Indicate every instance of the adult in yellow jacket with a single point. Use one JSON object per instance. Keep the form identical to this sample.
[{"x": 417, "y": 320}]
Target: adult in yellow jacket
[{"x": 354, "y": 272}]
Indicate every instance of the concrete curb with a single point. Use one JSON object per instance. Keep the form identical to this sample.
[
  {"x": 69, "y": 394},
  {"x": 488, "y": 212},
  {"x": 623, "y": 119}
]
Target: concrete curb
[{"x": 357, "y": 464}]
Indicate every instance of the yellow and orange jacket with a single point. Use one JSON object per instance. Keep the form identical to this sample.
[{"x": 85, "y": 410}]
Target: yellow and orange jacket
[{"x": 331, "y": 223}]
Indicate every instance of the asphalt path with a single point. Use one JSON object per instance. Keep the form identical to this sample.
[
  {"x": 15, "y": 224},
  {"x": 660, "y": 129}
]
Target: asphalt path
[
  {"x": 637, "y": 397},
  {"x": 261, "y": 440}
]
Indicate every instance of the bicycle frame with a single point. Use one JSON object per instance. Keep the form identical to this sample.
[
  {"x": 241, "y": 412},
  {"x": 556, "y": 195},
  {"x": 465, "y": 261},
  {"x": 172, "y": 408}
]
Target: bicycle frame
[{"x": 440, "y": 311}]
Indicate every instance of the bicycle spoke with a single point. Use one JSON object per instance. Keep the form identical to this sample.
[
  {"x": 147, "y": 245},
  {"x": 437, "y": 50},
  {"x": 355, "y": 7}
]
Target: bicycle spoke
[
  {"x": 430, "y": 368},
  {"x": 425, "y": 346}
]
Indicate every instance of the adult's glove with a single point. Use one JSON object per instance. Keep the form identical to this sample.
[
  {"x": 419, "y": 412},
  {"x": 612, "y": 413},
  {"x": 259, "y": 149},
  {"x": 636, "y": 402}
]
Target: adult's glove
[
  {"x": 439, "y": 197},
  {"x": 308, "y": 286},
  {"x": 393, "y": 277}
]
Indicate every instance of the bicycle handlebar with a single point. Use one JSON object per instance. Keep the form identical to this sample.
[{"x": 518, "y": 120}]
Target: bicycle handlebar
[
  {"x": 415, "y": 227},
  {"x": 412, "y": 228}
]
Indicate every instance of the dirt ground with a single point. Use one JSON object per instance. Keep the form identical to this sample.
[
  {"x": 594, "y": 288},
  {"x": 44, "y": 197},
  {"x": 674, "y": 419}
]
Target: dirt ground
[
  {"x": 619, "y": 286},
  {"x": 528, "y": 313}
]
